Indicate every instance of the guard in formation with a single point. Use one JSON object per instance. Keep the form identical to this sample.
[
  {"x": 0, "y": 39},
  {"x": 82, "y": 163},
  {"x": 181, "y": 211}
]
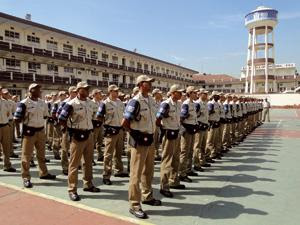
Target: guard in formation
[{"x": 187, "y": 130}]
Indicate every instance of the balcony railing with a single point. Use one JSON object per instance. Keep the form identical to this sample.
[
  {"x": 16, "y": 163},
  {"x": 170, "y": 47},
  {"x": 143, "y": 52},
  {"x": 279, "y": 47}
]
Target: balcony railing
[
  {"x": 62, "y": 56},
  {"x": 102, "y": 63},
  {"x": 113, "y": 65},
  {"x": 4, "y": 46}
]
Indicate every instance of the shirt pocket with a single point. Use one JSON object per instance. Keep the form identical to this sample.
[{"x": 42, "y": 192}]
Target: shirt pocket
[
  {"x": 144, "y": 112},
  {"x": 109, "y": 116}
]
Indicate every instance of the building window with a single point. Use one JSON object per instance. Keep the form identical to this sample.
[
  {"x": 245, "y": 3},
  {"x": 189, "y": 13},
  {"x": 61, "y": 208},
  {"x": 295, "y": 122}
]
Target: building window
[
  {"x": 69, "y": 70},
  {"x": 131, "y": 63},
  {"x": 219, "y": 86},
  {"x": 146, "y": 67},
  {"x": 105, "y": 77},
  {"x": 1, "y": 38},
  {"x": 12, "y": 34},
  {"x": 68, "y": 49},
  {"x": 131, "y": 80},
  {"x": 115, "y": 59},
  {"x": 51, "y": 45},
  {"x": 115, "y": 78},
  {"x": 139, "y": 65},
  {"x": 33, "y": 39},
  {"x": 104, "y": 57},
  {"x": 211, "y": 86},
  {"x": 52, "y": 68},
  {"x": 81, "y": 52},
  {"x": 228, "y": 85},
  {"x": 13, "y": 63},
  {"x": 33, "y": 66},
  {"x": 94, "y": 55},
  {"x": 94, "y": 73}
]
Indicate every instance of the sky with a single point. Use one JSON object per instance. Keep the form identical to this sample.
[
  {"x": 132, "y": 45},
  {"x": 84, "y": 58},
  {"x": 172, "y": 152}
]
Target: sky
[{"x": 205, "y": 35}]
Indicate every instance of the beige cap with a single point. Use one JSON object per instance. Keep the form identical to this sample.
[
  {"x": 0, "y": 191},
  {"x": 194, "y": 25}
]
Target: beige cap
[
  {"x": 61, "y": 93},
  {"x": 95, "y": 91},
  {"x": 203, "y": 91},
  {"x": 144, "y": 78},
  {"x": 227, "y": 95},
  {"x": 155, "y": 91},
  {"x": 72, "y": 89},
  {"x": 4, "y": 91},
  {"x": 34, "y": 85},
  {"x": 135, "y": 89},
  {"x": 215, "y": 93},
  {"x": 53, "y": 93},
  {"x": 82, "y": 84},
  {"x": 176, "y": 87},
  {"x": 190, "y": 89},
  {"x": 112, "y": 87},
  {"x": 221, "y": 94},
  {"x": 121, "y": 94}
]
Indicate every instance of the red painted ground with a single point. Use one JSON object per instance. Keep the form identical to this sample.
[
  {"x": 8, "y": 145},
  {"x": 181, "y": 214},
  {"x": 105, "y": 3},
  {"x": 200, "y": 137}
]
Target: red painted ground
[{"x": 19, "y": 208}]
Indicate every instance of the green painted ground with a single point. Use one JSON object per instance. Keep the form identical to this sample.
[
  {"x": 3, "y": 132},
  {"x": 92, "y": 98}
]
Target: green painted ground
[{"x": 258, "y": 182}]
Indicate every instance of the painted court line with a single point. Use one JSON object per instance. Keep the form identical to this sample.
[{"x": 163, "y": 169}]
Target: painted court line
[{"x": 77, "y": 205}]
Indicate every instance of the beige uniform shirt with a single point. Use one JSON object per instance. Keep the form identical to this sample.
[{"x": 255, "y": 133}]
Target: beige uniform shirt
[
  {"x": 81, "y": 117},
  {"x": 113, "y": 112},
  {"x": 36, "y": 112},
  {"x": 203, "y": 117},
  {"x": 173, "y": 121},
  {"x": 146, "y": 122}
]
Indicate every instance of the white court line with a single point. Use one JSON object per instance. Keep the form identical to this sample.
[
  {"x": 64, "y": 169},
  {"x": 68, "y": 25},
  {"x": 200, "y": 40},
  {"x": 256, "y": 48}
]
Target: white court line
[{"x": 77, "y": 205}]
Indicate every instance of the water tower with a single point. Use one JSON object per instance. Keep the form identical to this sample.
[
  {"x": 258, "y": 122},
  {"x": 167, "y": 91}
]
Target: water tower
[{"x": 261, "y": 52}]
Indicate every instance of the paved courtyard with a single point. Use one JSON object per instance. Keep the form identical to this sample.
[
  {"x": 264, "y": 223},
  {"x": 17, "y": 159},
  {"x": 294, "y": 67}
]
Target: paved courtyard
[{"x": 257, "y": 182}]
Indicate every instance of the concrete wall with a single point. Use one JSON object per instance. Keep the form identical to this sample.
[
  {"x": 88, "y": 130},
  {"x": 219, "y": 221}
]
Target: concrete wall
[{"x": 281, "y": 99}]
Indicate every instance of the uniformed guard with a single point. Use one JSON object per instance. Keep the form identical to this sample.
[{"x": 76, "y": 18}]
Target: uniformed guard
[
  {"x": 135, "y": 91},
  {"x": 80, "y": 112},
  {"x": 226, "y": 140},
  {"x": 188, "y": 118},
  {"x": 234, "y": 115},
  {"x": 57, "y": 133},
  {"x": 50, "y": 121},
  {"x": 33, "y": 111},
  {"x": 201, "y": 136},
  {"x": 5, "y": 111},
  {"x": 266, "y": 110},
  {"x": 139, "y": 120},
  {"x": 239, "y": 110},
  {"x": 157, "y": 95},
  {"x": 220, "y": 131},
  {"x": 12, "y": 108},
  {"x": 65, "y": 142},
  {"x": 98, "y": 126},
  {"x": 168, "y": 119},
  {"x": 111, "y": 113},
  {"x": 214, "y": 121}
]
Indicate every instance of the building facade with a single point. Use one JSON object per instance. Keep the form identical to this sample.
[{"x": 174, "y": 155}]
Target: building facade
[
  {"x": 32, "y": 52},
  {"x": 285, "y": 77}
]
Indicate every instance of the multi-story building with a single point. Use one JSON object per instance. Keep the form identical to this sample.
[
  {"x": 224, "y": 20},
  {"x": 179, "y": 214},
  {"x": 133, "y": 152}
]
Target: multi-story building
[
  {"x": 32, "y": 52},
  {"x": 284, "y": 77},
  {"x": 220, "y": 82}
]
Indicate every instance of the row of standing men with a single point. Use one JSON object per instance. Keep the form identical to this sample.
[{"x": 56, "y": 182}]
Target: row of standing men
[{"x": 193, "y": 128}]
